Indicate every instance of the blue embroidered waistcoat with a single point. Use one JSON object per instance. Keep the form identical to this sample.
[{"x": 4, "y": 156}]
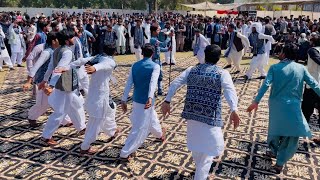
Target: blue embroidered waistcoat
[
  {"x": 141, "y": 74},
  {"x": 38, "y": 78},
  {"x": 203, "y": 99},
  {"x": 257, "y": 44}
]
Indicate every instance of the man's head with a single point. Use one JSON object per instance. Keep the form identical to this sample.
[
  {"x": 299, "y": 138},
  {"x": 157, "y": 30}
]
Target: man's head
[
  {"x": 289, "y": 51},
  {"x": 212, "y": 54},
  {"x": 148, "y": 50},
  {"x": 43, "y": 26},
  {"x": 155, "y": 29},
  {"x": 231, "y": 27},
  {"x": 52, "y": 39},
  {"x": 139, "y": 21},
  {"x": 65, "y": 37},
  {"x": 197, "y": 32},
  {"x": 109, "y": 50}
]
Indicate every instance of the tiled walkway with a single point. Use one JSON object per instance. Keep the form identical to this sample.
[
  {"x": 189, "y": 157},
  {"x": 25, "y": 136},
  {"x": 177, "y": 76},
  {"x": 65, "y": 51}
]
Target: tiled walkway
[{"x": 23, "y": 156}]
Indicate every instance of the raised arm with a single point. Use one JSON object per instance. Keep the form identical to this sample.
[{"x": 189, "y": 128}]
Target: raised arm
[
  {"x": 178, "y": 83},
  {"x": 229, "y": 90},
  {"x": 266, "y": 84}
]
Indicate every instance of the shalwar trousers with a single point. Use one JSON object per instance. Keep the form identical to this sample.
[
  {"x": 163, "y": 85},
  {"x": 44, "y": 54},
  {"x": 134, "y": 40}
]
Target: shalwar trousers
[
  {"x": 143, "y": 122},
  {"x": 283, "y": 147},
  {"x": 64, "y": 103},
  {"x": 96, "y": 125}
]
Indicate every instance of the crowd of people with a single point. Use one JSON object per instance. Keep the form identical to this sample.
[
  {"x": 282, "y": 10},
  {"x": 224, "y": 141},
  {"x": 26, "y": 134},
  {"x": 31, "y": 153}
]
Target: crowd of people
[{"x": 62, "y": 50}]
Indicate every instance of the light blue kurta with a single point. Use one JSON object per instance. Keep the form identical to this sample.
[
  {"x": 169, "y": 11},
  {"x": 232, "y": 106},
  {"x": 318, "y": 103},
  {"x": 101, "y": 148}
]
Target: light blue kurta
[{"x": 287, "y": 83}]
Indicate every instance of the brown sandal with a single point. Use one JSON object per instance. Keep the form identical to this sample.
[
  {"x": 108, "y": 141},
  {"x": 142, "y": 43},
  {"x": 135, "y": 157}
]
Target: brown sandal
[
  {"x": 163, "y": 137},
  {"x": 131, "y": 156},
  {"x": 89, "y": 151},
  {"x": 49, "y": 142},
  {"x": 269, "y": 154}
]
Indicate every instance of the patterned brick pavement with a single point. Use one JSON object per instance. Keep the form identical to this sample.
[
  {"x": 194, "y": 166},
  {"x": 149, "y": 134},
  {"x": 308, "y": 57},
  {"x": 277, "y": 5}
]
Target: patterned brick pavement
[{"x": 23, "y": 156}]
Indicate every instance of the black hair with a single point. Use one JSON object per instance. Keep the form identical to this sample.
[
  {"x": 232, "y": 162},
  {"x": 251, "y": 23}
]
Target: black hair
[
  {"x": 148, "y": 50},
  {"x": 65, "y": 35},
  {"x": 232, "y": 26},
  {"x": 290, "y": 51},
  {"x": 212, "y": 54},
  {"x": 316, "y": 42},
  {"x": 153, "y": 28},
  {"x": 50, "y": 37},
  {"x": 266, "y": 20},
  {"x": 42, "y": 25},
  {"x": 109, "y": 50}
]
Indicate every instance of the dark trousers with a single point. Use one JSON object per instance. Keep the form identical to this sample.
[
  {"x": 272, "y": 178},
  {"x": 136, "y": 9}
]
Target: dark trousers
[
  {"x": 188, "y": 45},
  {"x": 310, "y": 99}
]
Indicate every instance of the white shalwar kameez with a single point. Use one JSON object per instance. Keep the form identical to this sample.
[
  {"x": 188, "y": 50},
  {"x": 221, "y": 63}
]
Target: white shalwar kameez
[
  {"x": 42, "y": 104},
  {"x": 131, "y": 39},
  {"x": 172, "y": 53},
  {"x": 205, "y": 141},
  {"x": 63, "y": 102},
  {"x": 16, "y": 43},
  {"x": 202, "y": 44},
  {"x": 268, "y": 46},
  {"x": 121, "y": 41},
  {"x": 235, "y": 56},
  {"x": 4, "y": 56},
  {"x": 82, "y": 75},
  {"x": 34, "y": 55},
  {"x": 148, "y": 32},
  {"x": 143, "y": 120},
  {"x": 101, "y": 115},
  {"x": 260, "y": 60}
]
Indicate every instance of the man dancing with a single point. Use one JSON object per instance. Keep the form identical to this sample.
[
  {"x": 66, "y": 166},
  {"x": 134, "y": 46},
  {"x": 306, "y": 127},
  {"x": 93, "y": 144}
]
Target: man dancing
[
  {"x": 286, "y": 121},
  {"x": 143, "y": 77},
  {"x": 158, "y": 47},
  {"x": 234, "y": 52},
  {"x": 65, "y": 98},
  {"x": 202, "y": 108},
  {"x": 100, "y": 108},
  {"x": 259, "y": 60}
]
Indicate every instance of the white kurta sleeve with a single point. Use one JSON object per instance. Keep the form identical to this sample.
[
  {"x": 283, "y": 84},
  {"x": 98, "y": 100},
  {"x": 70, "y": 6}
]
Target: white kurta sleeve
[
  {"x": 64, "y": 62},
  {"x": 44, "y": 57},
  {"x": 244, "y": 39},
  {"x": 127, "y": 87},
  {"x": 177, "y": 83},
  {"x": 154, "y": 81},
  {"x": 229, "y": 90},
  {"x": 79, "y": 62},
  {"x": 263, "y": 36},
  {"x": 106, "y": 64}
]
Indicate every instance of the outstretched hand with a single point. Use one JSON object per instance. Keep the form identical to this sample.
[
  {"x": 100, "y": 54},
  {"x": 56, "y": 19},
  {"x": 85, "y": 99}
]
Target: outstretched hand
[
  {"x": 42, "y": 85},
  {"x": 26, "y": 87},
  {"x": 90, "y": 69}
]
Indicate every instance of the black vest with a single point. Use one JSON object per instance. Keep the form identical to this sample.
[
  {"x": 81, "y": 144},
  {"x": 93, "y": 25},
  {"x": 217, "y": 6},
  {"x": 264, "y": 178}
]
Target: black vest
[{"x": 237, "y": 42}]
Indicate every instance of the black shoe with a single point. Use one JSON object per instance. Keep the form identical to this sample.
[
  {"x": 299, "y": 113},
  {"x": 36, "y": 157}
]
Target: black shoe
[
  {"x": 172, "y": 64},
  {"x": 164, "y": 64},
  {"x": 11, "y": 69},
  {"x": 227, "y": 66},
  {"x": 160, "y": 94},
  {"x": 19, "y": 65},
  {"x": 261, "y": 77},
  {"x": 245, "y": 77},
  {"x": 237, "y": 72}
]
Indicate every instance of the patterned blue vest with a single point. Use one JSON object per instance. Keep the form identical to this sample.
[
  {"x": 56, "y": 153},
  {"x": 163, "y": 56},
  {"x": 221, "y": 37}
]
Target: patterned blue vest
[
  {"x": 203, "y": 99},
  {"x": 141, "y": 73},
  {"x": 38, "y": 78},
  {"x": 257, "y": 44}
]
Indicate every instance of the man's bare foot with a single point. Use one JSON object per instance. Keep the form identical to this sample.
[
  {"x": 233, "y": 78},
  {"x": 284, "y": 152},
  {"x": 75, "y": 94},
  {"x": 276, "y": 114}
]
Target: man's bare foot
[{"x": 131, "y": 156}]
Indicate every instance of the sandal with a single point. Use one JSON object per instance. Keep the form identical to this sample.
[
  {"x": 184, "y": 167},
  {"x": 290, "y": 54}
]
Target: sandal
[
  {"x": 89, "y": 151},
  {"x": 163, "y": 137},
  {"x": 276, "y": 169},
  {"x": 270, "y": 154}
]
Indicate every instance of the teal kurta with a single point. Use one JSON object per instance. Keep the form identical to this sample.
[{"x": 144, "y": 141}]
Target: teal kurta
[{"x": 287, "y": 83}]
